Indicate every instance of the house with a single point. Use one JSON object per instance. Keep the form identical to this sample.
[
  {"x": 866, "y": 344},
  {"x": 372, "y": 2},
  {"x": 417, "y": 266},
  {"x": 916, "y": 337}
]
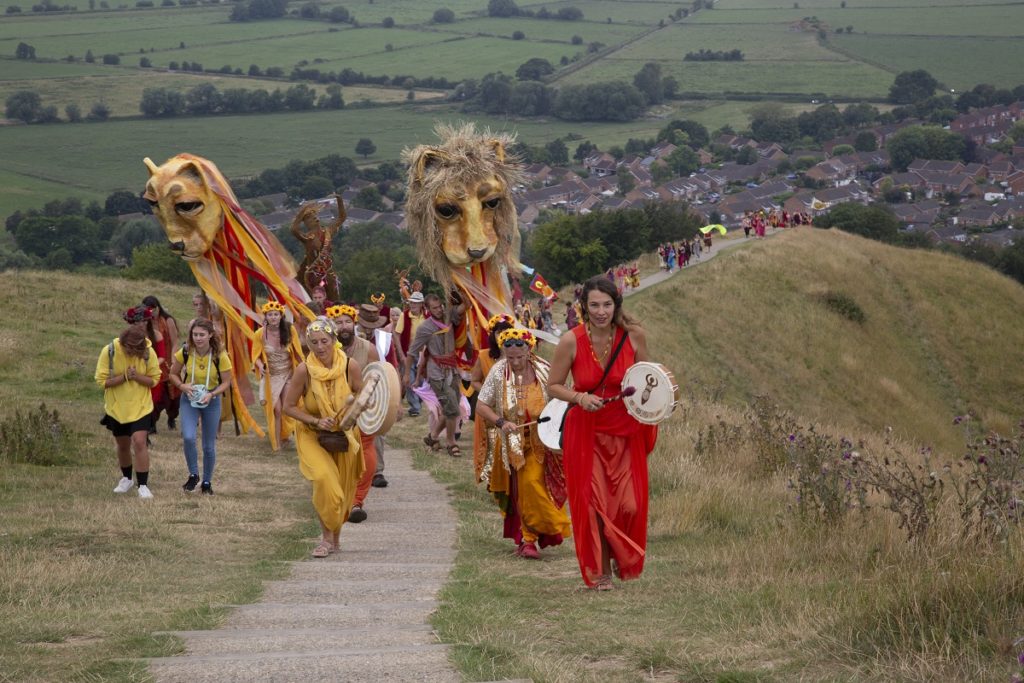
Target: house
[
  {"x": 993, "y": 194},
  {"x": 948, "y": 233},
  {"x": 770, "y": 150},
  {"x": 935, "y": 165},
  {"x": 601, "y": 164},
  {"x": 527, "y": 213},
  {"x": 771, "y": 189},
  {"x": 941, "y": 182},
  {"x": 833, "y": 172},
  {"x": 358, "y": 215},
  {"x": 643, "y": 194},
  {"x": 998, "y": 171},
  {"x": 662, "y": 150},
  {"x": 981, "y": 215},
  {"x": 844, "y": 194},
  {"x": 537, "y": 173},
  {"x": 1000, "y": 239},
  {"x": 1015, "y": 182},
  {"x": 862, "y": 161}
]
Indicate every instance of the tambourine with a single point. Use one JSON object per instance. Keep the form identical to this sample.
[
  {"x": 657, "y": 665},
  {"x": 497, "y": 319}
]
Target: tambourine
[
  {"x": 655, "y": 392},
  {"x": 376, "y": 407},
  {"x": 550, "y": 430}
]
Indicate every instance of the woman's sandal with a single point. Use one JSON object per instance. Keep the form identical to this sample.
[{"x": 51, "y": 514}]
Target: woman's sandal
[
  {"x": 454, "y": 450},
  {"x": 604, "y": 583},
  {"x": 432, "y": 443},
  {"x": 323, "y": 549}
]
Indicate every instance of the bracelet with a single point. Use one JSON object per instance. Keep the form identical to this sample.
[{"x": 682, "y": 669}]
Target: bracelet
[
  {"x": 500, "y": 422},
  {"x": 576, "y": 399}
]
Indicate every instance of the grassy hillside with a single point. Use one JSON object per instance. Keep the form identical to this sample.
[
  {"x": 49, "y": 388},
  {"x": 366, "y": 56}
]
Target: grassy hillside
[{"x": 940, "y": 335}]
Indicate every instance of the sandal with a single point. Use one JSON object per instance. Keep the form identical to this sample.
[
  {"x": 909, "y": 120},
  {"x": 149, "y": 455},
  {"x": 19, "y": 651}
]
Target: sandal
[
  {"x": 322, "y": 550},
  {"x": 454, "y": 450},
  {"x": 604, "y": 583},
  {"x": 432, "y": 443}
]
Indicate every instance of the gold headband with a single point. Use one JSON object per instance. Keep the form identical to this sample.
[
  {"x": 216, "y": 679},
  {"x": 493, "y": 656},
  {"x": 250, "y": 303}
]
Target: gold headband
[
  {"x": 340, "y": 310},
  {"x": 378, "y": 299},
  {"x": 517, "y": 333},
  {"x": 321, "y": 325}
]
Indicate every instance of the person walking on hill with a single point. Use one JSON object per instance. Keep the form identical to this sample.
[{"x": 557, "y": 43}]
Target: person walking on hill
[
  {"x": 166, "y": 329},
  {"x": 127, "y": 369},
  {"x": 328, "y": 457},
  {"x": 525, "y": 478},
  {"x": 604, "y": 448},
  {"x": 436, "y": 336},
  {"x": 405, "y": 330},
  {"x": 275, "y": 353},
  {"x": 201, "y": 371}
]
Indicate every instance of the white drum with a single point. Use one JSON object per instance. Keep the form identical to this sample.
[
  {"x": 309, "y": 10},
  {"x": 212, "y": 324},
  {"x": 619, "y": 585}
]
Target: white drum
[
  {"x": 656, "y": 392},
  {"x": 550, "y": 431},
  {"x": 380, "y": 400}
]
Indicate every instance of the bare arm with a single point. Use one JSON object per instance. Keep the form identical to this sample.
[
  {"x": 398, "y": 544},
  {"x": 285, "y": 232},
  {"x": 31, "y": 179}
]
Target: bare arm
[
  {"x": 565, "y": 354},
  {"x": 293, "y": 392},
  {"x": 476, "y": 376},
  {"x": 638, "y": 338}
]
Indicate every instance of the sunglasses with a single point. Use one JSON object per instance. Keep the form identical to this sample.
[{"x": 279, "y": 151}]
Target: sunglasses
[{"x": 514, "y": 342}]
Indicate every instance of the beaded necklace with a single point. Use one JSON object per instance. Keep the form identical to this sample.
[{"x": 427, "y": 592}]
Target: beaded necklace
[{"x": 607, "y": 346}]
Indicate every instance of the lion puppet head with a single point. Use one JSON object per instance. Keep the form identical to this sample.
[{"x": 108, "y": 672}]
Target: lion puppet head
[
  {"x": 183, "y": 194},
  {"x": 459, "y": 201}
]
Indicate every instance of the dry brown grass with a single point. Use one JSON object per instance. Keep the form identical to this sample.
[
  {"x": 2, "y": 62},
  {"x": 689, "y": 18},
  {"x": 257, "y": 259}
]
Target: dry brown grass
[{"x": 86, "y": 576}]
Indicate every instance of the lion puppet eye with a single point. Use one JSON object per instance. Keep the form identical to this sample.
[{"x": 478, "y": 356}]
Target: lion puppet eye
[
  {"x": 188, "y": 208},
  {"x": 447, "y": 211},
  {"x": 492, "y": 203}
]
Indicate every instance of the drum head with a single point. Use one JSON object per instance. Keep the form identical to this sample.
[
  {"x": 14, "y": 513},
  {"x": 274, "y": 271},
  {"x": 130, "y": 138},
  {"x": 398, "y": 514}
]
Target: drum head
[
  {"x": 550, "y": 432},
  {"x": 385, "y": 401},
  {"x": 656, "y": 392}
]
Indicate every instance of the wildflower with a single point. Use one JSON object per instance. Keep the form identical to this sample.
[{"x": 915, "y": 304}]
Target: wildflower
[
  {"x": 982, "y": 460},
  {"x": 792, "y": 438},
  {"x": 1020, "y": 659},
  {"x": 847, "y": 455},
  {"x": 958, "y": 419}
]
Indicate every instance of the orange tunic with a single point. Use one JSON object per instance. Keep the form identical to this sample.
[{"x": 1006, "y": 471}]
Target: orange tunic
[{"x": 605, "y": 456}]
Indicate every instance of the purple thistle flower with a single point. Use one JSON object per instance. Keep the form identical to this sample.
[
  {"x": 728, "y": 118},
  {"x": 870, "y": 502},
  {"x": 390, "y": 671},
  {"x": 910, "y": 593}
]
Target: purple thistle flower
[
  {"x": 982, "y": 460},
  {"x": 792, "y": 438},
  {"x": 1020, "y": 658}
]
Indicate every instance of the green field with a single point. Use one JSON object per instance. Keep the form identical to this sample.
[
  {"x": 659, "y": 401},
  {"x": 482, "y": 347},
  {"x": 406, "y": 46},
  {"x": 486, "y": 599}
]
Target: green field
[
  {"x": 538, "y": 29},
  {"x": 980, "y": 20},
  {"x": 832, "y": 4},
  {"x": 648, "y": 13},
  {"x": 954, "y": 61}
]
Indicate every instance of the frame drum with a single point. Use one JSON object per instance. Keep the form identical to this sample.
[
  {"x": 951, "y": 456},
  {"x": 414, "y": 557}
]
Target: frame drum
[
  {"x": 384, "y": 400},
  {"x": 550, "y": 432},
  {"x": 656, "y": 392}
]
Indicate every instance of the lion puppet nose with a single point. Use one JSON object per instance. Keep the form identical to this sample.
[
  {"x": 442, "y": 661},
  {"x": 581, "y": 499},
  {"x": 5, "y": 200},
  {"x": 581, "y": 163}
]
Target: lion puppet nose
[
  {"x": 178, "y": 246},
  {"x": 476, "y": 253}
]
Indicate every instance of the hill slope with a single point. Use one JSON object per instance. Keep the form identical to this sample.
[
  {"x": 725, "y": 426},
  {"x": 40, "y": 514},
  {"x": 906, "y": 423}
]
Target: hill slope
[{"x": 940, "y": 335}]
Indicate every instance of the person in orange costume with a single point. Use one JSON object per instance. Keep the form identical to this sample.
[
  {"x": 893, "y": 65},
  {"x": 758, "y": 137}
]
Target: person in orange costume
[{"x": 604, "y": 448}]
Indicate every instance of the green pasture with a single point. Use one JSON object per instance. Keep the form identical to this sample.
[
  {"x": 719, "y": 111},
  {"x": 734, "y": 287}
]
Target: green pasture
[
  {"x": 539, "y": 29},
  {"x": 648, "y": 13},
  {"x": 457, "y": 59},
  {"x": 20, "y": 70},
  {"x": 406, "y": 12},
  {"x": 22, "y": 191},
  {"x": 121, "y": 89},
  {"x": 979, "y": 20},
  {"x": 42, "y": 25},
  {"x": 286, "y": 51},
  {"x": 959, "y": 63},
  {"x": 758, "y": 43},
  {"x": 726, "y": 5}
]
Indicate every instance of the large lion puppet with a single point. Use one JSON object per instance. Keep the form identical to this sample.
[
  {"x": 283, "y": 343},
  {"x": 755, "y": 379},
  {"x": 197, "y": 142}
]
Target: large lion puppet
[{"x": 227, "y": 250}]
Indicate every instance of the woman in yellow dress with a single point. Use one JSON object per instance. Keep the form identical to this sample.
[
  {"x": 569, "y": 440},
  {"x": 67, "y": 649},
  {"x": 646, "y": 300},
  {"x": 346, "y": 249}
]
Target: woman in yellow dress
[
  {"x": 316, "y": 399},
  {"x": 525, "y": 478},
  {"x": 275, "y": 353}
]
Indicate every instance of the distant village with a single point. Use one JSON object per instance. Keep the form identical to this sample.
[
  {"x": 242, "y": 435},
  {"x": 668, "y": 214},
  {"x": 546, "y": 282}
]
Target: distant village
[{"x": 949, "y": 201}]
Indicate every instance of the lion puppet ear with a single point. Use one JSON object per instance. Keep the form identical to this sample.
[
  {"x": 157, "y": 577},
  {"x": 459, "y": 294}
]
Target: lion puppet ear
[
  {"x": 153, "y": 168},
  {"x": 425, "y": 158},
  {"x": 499, "y": 150}
]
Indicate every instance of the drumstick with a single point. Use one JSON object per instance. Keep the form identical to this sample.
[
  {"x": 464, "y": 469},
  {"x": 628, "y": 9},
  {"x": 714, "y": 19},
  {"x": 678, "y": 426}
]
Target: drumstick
[
  {"x": 628, "y": 391},
  {"x": 535, "y": 422}
]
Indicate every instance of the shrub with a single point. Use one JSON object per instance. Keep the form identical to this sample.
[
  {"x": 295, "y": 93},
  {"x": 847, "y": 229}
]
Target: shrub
[
  {"x": 36, "y": 438},
  {"x": 111, "y": 59},
  {"x": 844, "y": 305},
  {"x": 518, "y": 35},
  {"x": 824, "y": 475},
  {"x": 444, "y": 16}
]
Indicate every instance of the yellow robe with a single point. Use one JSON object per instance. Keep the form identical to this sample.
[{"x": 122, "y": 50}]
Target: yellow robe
[{"x": 259, "y": 350}]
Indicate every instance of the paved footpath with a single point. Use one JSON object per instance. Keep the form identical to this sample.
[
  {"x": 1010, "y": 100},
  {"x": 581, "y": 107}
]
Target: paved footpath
[{"x": 359, "y": 615}]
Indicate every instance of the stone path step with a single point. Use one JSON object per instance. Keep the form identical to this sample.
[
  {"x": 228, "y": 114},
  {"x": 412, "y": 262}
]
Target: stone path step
[{"x": 359, "y": 615}]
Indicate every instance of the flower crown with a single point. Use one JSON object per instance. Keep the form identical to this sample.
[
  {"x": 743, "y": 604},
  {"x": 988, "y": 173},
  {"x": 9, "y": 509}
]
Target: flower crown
[
  {"x": 498, "y": 319},
  {"x": 138, "y": 314},
  {"x": 517, "y": 333},
  {"x": 340, "y": 310},
  {"x": 321, "y": 324},
  {"x": 272, "y": 306}
]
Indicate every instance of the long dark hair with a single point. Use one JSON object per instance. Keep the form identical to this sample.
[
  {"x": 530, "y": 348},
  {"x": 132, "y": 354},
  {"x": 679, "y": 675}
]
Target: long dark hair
[
  {"x": 209, "y": 327},
  {"x": 284, "y": 331},
  {"x": 153, "y": 302},
  {"x": 493, "y": 348},
  {"x": 602, "y": 284}
]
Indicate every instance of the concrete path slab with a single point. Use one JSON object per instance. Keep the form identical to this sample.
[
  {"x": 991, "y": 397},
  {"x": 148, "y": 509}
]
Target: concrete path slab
[{"x": 359, "y": 615}]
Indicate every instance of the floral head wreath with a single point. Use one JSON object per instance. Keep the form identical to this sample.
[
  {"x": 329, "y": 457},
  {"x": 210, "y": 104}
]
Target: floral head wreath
[
  {"x": 517, "y": 333},
  {"x": 498, "y": 319},
  {"x": 272, "y": 306},
  {"x": 321, "y": 324},
  {"x": 340, "y": 310},
  {"x": 138, "y": 314},
  {"x": 378, "y": 299}
]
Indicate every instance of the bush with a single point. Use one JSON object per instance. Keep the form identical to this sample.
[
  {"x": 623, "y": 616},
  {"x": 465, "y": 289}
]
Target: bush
[
  {"x": 444, "y": 16},
  {"x": 36, "y": 438},
  {"x": 840, "y": 303},
  {"x": 111, "y": 59},
  {"x": 518, "y": 35},
  {"x": 157, "y": 262}
]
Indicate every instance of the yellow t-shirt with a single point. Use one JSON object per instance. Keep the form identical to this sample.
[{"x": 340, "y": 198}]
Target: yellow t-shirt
[
  {"x": 194, "y": 370},
  {"x": 130, "y": 401}
]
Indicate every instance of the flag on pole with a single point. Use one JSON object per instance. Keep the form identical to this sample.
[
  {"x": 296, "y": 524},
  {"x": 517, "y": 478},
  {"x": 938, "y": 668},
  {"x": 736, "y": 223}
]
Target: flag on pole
[{"x": 540, "y": 285}]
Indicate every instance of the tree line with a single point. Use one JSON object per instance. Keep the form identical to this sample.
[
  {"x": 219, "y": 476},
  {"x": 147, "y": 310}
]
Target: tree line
[
  {"x": 704, "y": 55},
  {"x": 206, "y": 100}
]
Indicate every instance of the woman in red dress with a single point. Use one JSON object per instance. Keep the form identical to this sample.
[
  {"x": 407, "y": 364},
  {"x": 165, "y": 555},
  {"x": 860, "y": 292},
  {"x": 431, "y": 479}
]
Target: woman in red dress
[{"x": 604, "y": 448}]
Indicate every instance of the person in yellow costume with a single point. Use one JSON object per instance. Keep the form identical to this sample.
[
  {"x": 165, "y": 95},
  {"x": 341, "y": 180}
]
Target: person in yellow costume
[
  {"x": 316, "y": 398},
  {"x": 127, "y": 369},
  {"x": 525, "y": 477},
  {"x": 275, "y": 353}
]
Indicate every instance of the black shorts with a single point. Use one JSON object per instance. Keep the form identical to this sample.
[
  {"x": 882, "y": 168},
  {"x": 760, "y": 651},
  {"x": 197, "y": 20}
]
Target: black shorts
[{"x": 117, "y": 429}]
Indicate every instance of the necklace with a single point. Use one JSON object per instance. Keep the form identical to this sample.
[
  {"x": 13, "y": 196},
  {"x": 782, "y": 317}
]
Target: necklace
[{"x": 607, "y": 346}]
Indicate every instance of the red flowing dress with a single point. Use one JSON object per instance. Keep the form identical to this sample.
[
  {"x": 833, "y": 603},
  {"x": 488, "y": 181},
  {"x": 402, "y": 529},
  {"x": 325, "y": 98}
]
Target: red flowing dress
[{"x": 605, "y": 458}]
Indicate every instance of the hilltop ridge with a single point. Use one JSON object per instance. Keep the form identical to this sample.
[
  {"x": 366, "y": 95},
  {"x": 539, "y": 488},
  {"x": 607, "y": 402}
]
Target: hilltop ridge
[{"x": 940, "y": 335}]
